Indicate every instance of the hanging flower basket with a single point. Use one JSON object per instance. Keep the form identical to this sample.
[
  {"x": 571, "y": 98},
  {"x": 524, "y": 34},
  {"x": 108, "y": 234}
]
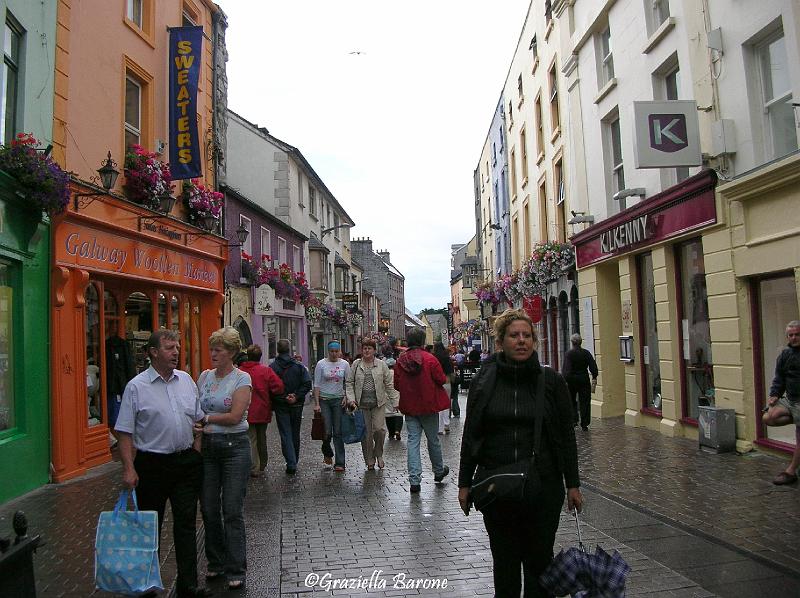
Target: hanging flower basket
[
  {"x": 287, "y": 284},
  {"x": 203, "y": 204},
  {"x": 249, "y": 270},
  {"x": 147, "y": 178},
  {"x": 42, "y": 183},
  {"x": 548, "y": 261}
]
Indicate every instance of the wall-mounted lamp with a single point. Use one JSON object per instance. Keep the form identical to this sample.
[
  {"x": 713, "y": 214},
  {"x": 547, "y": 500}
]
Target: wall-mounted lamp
[
  {"x": 623, "y": 193},
  {"x": 165, "y": 204},
  {"x": 580, "y": 218},
  {"x": 209, "y": 222},
  {"x": 325, "y": 231},
  {"x": 108, "y": 174},
  {"x": 241, "y": 234},
  {"x": 495, "y": 226}
]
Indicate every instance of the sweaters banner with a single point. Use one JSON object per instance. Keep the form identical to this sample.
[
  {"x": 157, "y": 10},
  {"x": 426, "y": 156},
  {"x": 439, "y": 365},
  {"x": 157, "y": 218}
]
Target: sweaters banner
[{"x": 185, "y": 58}]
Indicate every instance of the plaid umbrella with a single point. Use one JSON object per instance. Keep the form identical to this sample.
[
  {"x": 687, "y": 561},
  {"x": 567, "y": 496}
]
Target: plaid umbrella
[{"x": 576, "y": 572}]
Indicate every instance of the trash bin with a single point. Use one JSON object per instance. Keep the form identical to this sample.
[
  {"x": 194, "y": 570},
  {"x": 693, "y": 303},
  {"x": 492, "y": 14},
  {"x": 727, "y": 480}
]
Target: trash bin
[{"x": 717, "y": 429}]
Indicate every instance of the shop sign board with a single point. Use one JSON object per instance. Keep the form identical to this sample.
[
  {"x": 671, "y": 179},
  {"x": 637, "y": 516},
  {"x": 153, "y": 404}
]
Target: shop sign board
[
  {"x": 684, "y": 208},
  {"x": 666, "y": 134},
  {"x": 265, "y": 301},
  {"x": 350, "y": 302},
  {"x": 97, "y": 250},
  {"x": 533, "y": 307},
  {"x": 185, "y": 62}
]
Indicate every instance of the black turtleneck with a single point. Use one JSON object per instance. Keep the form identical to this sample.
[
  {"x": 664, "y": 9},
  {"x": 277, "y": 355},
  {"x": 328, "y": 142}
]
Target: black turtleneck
[{"x": 508, "y": 421}]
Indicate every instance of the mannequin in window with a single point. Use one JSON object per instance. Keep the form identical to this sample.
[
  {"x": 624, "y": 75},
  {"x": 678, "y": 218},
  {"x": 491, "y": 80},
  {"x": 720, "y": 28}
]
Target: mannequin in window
[{"x": 119, "y": 371}]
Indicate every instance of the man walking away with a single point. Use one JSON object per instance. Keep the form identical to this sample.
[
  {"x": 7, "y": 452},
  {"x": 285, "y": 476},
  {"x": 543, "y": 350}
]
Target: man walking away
[
  {"x": 784, "y": 398},
  {"x": 576, "y": 361},
  {"x": 419, "y": 378},
  {"x": 156, "y": 418},
  {"x": 288, "y": 407}
]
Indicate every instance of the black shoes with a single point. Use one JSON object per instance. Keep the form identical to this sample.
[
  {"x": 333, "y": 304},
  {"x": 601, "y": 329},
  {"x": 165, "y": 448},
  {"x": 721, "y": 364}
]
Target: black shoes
[
  {"x": 291, "y": 470},
  {"x": 441, "y": 476},
  {"x": 415, "y": 488}
]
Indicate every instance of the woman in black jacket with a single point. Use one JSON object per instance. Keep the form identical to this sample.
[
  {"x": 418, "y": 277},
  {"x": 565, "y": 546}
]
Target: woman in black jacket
[{"x": 500, "y": 430}]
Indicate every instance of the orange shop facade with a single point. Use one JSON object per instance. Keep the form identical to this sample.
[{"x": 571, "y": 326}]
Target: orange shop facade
[{"x": 121, "y": 271}]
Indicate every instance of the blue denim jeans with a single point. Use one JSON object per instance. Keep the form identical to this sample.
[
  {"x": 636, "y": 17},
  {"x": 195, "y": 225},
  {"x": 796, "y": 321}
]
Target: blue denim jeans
[
  {"x": 332, "y": 414},
  {"x": 289, "y": 429},
  {"x": 226, "y": 469},
  {"x": 416, "y": 424}
]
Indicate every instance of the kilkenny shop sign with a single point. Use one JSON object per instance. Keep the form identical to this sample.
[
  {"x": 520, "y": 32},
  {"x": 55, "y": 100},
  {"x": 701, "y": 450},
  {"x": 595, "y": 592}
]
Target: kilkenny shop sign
[
  {"x": 185, "y": 58},
  {"x": 96, "y": 250},
  {"x": 686, "y": 207}
]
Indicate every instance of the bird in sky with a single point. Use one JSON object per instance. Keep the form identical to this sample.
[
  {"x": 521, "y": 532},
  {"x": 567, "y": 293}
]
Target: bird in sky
[{"x": 357, "y": 52}]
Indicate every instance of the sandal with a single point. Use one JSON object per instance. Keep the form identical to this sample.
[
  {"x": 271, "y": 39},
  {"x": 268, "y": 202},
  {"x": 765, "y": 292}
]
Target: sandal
[
  {"x": 381, "y": 464},
  {"x": 370, "y": 468},
  {"x": 784, "y": 478}
]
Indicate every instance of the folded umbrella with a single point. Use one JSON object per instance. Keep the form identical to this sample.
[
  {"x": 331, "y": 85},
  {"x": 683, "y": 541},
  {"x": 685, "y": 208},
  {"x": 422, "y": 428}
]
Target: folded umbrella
[{"x": 576, "y": 572}]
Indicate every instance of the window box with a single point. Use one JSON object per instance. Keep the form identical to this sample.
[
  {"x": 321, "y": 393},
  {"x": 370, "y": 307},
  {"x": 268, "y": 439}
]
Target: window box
[{"x": 605, "y": 90}]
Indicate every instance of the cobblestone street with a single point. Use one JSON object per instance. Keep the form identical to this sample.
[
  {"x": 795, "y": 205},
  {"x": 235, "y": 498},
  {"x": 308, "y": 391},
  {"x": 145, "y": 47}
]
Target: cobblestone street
[{"x": 688, "y": 522}]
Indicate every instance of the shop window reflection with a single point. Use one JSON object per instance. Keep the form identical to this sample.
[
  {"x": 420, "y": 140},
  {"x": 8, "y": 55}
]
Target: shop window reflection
[
  {"x": 7, "y": 419},
  {"x": 93, "y": 360},
  {"x": 695, "y": 329},
  {"x": 650, "y": 357},
  {"x": 162, "y": 310},
  {"x": 138, "y": 327},
  {"x": 175, "y": 313}
]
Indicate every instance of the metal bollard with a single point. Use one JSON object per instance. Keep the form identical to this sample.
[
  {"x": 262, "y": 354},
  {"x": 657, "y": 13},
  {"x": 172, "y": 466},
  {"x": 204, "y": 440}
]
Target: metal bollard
[{"x": 16, "y": 561}]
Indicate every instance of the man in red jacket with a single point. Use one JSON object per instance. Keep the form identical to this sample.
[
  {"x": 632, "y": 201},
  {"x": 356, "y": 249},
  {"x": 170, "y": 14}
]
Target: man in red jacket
[
  {"x": 419, "y": 377},
  {"x": 266, "y": 384}
]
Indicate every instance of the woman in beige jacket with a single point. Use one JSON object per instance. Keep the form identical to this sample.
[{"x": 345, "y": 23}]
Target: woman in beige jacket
[{"x": 370, "y": 386}]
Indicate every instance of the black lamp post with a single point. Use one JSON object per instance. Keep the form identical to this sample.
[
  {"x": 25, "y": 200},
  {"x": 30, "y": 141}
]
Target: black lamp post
[{"x": 108, "y": 174}]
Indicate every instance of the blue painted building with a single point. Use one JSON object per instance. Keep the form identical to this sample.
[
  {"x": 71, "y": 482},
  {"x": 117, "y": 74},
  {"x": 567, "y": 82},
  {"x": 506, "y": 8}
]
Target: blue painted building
[{"x": 499, "y": 182}]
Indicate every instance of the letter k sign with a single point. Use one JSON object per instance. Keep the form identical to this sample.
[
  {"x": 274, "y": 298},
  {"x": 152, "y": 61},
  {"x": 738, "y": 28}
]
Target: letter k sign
[{"x": 667, "y": 132}]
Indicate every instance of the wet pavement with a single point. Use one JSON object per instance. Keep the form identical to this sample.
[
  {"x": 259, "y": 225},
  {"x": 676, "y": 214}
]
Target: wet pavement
[{"x": 690, "y": 523}]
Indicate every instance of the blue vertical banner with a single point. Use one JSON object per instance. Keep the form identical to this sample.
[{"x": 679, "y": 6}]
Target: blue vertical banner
[{"x": 185, "y": 59}]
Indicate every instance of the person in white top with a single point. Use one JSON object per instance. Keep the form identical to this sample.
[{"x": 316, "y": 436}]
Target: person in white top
[{"x": 156, "y": 418}]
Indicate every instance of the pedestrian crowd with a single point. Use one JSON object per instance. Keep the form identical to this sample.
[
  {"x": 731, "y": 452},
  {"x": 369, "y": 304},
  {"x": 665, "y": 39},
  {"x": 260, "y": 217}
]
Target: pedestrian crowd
[{"x": 184, "y": 441}]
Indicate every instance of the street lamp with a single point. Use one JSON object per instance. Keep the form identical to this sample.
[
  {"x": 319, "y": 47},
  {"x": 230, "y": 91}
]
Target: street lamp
[{"x": 107, "y": 174}]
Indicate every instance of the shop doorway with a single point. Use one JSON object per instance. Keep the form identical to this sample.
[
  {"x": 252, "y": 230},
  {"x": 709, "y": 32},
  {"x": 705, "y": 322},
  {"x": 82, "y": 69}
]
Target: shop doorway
[
  {"x": 697, "y": 369},
  {"x": 774, "y": 305}
]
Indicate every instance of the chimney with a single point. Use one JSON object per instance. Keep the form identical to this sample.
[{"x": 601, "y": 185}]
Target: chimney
[{"x": 384, "y": 256}]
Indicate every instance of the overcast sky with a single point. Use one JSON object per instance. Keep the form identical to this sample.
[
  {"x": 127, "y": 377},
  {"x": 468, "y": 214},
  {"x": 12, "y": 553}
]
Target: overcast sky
[{"x": 396, "y": 131}]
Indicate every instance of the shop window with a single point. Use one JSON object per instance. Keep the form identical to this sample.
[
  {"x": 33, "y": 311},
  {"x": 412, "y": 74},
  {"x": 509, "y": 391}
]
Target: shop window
[
  {"x": 7, "y": 305},
  {"x": 9, "y": 103},
  {"x": 110, "y": 314},
  {"x": 196, "y": 344},
  {"x": 777, "y": 304},
  {"x": 162, "y": 310},
  {"x": 651, "y": 367},
  {"x": 138, "y": 327},
  {"x": 93, "y": 391},
  {"x": 269, "y": 330},
  {"x": 695, "y": 329},
  {"x": 187, "y": 337}
]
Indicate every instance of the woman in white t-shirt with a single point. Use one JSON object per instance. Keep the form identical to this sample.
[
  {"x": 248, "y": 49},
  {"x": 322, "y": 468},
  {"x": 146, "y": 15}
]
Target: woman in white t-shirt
[{"x": 224, "y": 397}]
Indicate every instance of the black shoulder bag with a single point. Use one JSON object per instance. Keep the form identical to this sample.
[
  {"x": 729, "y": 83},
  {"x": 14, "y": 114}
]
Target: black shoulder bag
[{"x": 508, "y": 482}]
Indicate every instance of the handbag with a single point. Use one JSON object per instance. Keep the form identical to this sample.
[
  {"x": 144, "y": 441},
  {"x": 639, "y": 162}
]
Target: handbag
[
  {"x": 509, "y": 481},
  {"x": 126, "y": 549},
  {"x": 354, "y": 428},
  {"x": 317, "y": 427}
]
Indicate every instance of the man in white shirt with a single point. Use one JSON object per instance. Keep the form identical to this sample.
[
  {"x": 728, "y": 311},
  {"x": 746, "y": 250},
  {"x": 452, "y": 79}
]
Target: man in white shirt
[{"x": 159, "y": 451}]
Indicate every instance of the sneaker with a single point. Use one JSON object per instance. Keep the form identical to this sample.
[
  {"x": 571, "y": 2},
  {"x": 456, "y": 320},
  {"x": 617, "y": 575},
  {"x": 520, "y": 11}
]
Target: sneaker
[
  {"x": 447, "y": 429},
  {"x": 339, "y": 468},
  {"x": 441, "y": 433},
  {"x": 291, "y": 470},
  {"x": 441, "y": 476},
  {"x": 397, "y": 435},
  {"x": 415, "y": 488},
  {"x": 328, "y": 460}
]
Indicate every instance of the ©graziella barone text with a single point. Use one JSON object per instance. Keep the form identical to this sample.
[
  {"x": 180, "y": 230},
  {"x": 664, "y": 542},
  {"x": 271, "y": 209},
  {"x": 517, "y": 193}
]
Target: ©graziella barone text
[{"x": 377, "y": 581}]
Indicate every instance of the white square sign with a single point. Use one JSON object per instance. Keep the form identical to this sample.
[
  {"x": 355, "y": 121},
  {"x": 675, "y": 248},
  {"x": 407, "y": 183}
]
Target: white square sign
[{"x": 666, "y": 134}]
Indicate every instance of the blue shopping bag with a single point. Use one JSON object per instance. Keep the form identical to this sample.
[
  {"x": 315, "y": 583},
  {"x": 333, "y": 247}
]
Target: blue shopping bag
[
  {"x": 353, "y": 426},
  {"x": 126, "y": 549}
]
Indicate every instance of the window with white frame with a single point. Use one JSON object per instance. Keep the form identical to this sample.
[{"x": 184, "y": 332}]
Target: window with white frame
[
  {"x": 606, "y": 64},
  {"x": 282, "y": 250},
  {"x": 133, "y": 112},
  {"x": 12, "y": 45},
  {"x": 520, "y": 95},
  {"x": 134, "y": 11},
  {"x": 296, "y": 259},
  {"x": 266, "y": 243},
  {"x": 534, "y": 48},
  {"x": 555, "y": 113},
  {"x": 615, "y": 166},
  {"x": 657, "y": 12},
  {"x": 672, "y": 91},
  {"x": 312, "y": 200},
  {"x": 247, "y": 246},
  {"x": 780, "y": 131}
]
